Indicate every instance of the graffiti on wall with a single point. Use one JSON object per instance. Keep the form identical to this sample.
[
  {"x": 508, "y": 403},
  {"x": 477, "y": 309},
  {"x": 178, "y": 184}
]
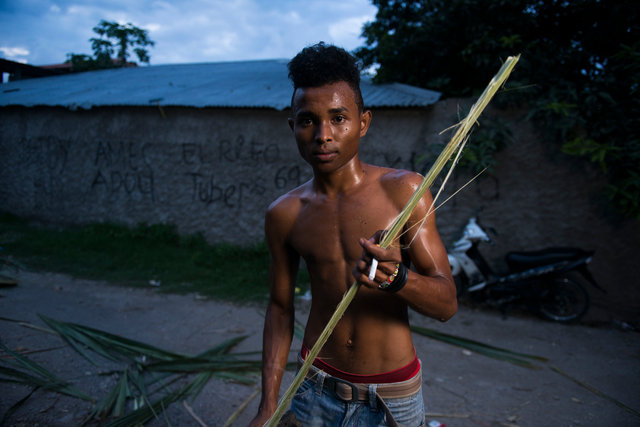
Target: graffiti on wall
[
  {"x": 129, "y": 167},
  {"x": 211, "y": 188},
  {"x": 123, "y": 167},
  {"x": 199, "y": 170},
  {"x": 46, "y": 161}
]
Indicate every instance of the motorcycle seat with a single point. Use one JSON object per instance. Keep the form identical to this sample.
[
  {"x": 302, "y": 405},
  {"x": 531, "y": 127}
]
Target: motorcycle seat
[{"x": 520, "y": 261}]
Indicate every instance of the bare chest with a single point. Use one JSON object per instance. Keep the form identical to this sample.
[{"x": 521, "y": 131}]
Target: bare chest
[{"x": 327, "y": 230}]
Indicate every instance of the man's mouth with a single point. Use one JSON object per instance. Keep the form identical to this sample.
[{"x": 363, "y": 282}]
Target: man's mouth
[{"x": 324, "y": 156}]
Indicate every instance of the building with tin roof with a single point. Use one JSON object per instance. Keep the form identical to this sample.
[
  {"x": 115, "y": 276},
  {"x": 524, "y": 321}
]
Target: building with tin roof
[
  {"x": 204, "y": 146},
  {"x": 246, "y": 84}
]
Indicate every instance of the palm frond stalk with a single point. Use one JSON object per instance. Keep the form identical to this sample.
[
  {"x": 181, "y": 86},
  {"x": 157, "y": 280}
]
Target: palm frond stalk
[{"x": 396, "y": 227}]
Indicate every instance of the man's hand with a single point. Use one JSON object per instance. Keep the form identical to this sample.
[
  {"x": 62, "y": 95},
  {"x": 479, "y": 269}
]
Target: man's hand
[{"x": 387, "y": 260}]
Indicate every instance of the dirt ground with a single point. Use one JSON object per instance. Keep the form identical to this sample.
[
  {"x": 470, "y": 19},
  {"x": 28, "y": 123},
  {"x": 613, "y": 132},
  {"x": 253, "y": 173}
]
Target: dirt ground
[{"x": 461, "y": 388}]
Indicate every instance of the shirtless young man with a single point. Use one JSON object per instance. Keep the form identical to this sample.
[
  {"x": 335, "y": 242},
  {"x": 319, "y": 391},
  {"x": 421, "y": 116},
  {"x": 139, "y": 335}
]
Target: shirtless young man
[{"x": 326, "y": 221}]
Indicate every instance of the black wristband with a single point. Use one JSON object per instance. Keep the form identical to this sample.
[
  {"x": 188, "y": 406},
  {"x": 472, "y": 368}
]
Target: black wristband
[{"x": 399, "y": 281}]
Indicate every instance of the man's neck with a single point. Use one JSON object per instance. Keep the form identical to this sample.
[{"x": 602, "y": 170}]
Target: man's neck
[{"x": 340, "y": 181}]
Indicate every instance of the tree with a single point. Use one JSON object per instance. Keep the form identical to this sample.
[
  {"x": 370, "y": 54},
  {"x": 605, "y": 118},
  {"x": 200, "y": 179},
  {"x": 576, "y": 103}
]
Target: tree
[
  {"x": 125, "y": 36},
  {"x": 112, "y": 36},
  {"x": 579, "y": 72}
]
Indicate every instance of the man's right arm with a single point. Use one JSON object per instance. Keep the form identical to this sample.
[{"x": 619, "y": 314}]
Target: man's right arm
[{"x": 279, "y": 319}]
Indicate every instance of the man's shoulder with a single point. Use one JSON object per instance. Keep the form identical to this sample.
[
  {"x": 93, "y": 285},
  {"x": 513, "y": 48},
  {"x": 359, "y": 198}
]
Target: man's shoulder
[
  {"x": 397, "y": 184},
  {"x": 289, "y": 202},
  {"x": 391, "y": 174},
  {"x": 399, "y": 179}
]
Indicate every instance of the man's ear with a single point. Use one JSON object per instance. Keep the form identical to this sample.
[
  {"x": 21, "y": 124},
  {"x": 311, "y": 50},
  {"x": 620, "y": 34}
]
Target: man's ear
[
  {"x": 365, "y": 121},
  {"x": 290, "y": 120}
]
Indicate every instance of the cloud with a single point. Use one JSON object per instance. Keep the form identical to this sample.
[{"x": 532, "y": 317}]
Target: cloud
[
  {"x": 15, "y": 53},
  {"x": 187, "y": 31},
  {"x": 348, "y": 30}
]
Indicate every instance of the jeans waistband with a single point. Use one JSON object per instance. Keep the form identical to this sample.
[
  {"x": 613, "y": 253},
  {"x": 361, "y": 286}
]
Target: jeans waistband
[{"x": 352, "y": 392}]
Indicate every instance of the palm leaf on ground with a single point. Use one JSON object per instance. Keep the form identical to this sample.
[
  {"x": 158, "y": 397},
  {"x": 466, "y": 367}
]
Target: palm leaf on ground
[
  {"x": 517, "y": 358},
  {"x": 152, "y": 378}
]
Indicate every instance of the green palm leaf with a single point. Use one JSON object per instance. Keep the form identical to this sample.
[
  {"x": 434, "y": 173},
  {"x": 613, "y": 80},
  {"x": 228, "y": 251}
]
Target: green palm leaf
[
  {"x": 147, "y": 412},
  {"x": 114, "y": 402},
  {"x": 108, "y": 345},
  {"x": 517, "y": 358},
  {"x": 35, "y": 375},
  {"x": 15, "y": 407},
  {"x": 224, "y": 347}
]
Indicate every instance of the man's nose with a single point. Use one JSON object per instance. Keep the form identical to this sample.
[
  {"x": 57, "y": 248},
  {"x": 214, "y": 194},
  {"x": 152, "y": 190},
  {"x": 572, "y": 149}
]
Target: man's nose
[{"x": 324, "y": 132}]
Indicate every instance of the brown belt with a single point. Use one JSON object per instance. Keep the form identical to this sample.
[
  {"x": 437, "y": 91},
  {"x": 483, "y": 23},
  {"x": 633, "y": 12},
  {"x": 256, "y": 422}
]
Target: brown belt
[{"x": 351, "y": 392}]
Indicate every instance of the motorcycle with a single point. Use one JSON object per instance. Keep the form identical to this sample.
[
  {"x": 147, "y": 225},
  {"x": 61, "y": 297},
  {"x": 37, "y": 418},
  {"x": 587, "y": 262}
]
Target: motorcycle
[{"x": 539, "y": 280}]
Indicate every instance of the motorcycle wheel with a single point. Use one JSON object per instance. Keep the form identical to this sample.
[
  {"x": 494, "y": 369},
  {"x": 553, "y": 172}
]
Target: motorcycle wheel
[{"x": 563, "y": 300}]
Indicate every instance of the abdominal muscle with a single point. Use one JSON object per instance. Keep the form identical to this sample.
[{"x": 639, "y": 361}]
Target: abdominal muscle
[{"x": 372, "y": 337}]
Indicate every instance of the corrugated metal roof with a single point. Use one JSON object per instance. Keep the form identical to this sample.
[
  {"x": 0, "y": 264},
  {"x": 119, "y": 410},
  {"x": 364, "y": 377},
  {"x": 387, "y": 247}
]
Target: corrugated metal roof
[{"x": 246, "y": 84}]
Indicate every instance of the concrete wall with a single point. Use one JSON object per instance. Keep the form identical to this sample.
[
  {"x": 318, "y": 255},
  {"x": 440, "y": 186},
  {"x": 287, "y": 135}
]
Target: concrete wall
[
  {"x": 217, "y": 170},
  {"x": 214, "y": 171}
]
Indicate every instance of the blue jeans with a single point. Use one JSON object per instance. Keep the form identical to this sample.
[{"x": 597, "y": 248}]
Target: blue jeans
[{"x": 318, "y": 408}]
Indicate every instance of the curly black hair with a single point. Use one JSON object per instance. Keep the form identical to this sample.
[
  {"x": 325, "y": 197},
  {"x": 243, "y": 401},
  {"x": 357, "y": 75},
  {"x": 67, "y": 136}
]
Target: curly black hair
[{"x": 322, "y": 64}]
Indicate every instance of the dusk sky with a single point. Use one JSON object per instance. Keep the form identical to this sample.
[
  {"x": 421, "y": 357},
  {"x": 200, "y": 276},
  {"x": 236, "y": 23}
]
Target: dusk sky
[{"x": 41, "y": 32}]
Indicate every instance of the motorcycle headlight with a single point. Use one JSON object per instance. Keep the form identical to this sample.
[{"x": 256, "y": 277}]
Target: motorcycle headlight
[{"x": 455, "y": 265}]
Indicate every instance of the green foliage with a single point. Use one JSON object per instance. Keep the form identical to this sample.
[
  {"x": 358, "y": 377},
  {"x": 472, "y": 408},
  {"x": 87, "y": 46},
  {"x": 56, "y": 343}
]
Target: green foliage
[
  {"x": 113, "y": 36},
  {"x": 140, "y": 256},
  {"x": 491, "y": 136},
  {"x": 579, "y": 73},
  {"x": 125, "y": 36}
]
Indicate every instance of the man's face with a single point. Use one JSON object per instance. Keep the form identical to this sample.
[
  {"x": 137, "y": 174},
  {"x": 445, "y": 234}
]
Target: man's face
[{"x": 327, "y": 125}]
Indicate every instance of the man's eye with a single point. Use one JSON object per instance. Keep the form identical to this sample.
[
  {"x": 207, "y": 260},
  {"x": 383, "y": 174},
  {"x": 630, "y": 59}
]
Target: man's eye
[{"x": 339, "y": 119}]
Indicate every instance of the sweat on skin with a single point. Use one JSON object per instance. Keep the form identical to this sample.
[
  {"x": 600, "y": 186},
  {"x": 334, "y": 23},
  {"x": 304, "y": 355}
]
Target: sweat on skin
[{"x": 333, "y": 223}]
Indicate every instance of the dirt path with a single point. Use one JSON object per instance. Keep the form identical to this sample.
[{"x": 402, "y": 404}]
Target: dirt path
[{"x": 461, "y": 388}]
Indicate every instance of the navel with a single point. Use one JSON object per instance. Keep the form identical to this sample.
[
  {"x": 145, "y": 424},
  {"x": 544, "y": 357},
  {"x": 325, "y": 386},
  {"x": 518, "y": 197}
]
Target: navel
[{"x": 350, "y": 342}]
